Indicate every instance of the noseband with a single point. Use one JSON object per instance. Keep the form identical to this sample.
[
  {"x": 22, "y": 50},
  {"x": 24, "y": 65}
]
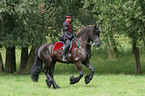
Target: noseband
[{"x": 95, "y": 41}]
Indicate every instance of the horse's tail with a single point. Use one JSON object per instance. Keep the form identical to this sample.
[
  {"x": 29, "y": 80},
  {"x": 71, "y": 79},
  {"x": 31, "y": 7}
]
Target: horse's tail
[{"x": 36, "y": 69}]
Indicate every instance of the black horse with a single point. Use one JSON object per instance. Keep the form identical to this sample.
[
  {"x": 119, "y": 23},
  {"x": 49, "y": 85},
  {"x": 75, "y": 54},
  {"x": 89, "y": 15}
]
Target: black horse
[{"x": 81, "y": 54}]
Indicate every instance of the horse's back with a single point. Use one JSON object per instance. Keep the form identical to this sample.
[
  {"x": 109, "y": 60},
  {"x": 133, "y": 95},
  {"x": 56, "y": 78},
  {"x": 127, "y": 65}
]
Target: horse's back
[{"x": 46, "y": 48}]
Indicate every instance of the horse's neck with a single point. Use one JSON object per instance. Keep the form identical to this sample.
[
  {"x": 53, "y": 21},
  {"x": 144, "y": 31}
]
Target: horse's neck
[
  {"x": 84, "y": 41},
  {"x": 84, "y": 36}
]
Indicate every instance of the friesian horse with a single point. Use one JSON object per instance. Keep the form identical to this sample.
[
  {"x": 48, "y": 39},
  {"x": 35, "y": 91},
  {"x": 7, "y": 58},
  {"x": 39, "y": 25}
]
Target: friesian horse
[{"x": 81, "y": 54}]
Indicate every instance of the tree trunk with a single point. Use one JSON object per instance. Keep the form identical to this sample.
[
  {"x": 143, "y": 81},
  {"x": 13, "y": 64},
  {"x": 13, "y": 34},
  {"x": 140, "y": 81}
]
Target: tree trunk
[
  {"x": 115, "y": 48},
  {"x": 10, "y": 65},
  {"x": 24, "y": 58},
  {"x": 108, "y": 49},
  {"x": 137, "y": 58},
  {"x": 144, "y": 42},
  {"x": 30, "y": 61},
  {"x": 1, "y": 64},
  {"x": 113, "y": 40}
]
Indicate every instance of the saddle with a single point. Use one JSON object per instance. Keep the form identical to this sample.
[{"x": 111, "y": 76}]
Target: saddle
[{"x": 60, "y": 46}]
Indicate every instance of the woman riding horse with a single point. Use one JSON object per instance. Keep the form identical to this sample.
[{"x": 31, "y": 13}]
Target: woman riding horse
[
  {"x": 81, "y": 54},
  {"x": 68, "y": 34}
]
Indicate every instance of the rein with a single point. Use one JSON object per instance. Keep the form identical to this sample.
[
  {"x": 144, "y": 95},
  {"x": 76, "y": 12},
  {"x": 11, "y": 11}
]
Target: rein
[
  {"x": 80, "y": 46},
  {"x": 84, "y": 42},
  {"x": 87, "y": 42}
]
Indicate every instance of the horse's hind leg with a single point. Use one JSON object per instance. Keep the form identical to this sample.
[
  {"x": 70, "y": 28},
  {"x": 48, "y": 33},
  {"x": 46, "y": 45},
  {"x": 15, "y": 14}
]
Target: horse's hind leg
[
  {"x": 49, "y": 79},
  {"x": 49, "y": 65},
  {"x": 89, "y": 77},
  {"x": 73, "y": 79},
  {"x": 47, "y": 62},
  {"x": 51, "y": 72}
]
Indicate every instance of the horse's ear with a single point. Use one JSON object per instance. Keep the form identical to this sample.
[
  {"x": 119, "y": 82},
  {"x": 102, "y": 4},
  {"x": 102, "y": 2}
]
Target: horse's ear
[{"x": 95, "y": 25}]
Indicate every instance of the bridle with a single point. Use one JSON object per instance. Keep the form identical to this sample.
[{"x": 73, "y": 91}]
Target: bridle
[{"x": 93, "y": 43}]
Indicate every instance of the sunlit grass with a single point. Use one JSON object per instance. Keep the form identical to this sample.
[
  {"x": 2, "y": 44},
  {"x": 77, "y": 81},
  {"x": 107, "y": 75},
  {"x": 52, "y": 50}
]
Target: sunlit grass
[{"x": 101, "y": 85}]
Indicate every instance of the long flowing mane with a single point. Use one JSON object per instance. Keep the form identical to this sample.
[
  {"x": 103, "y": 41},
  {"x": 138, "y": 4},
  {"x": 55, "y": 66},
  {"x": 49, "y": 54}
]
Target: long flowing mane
[{"x": 83, "y": 30}]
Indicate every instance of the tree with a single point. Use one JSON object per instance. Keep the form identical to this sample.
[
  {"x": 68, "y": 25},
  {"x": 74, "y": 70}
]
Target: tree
[
  {"x": 104, "y": 12},
  {"x": 24, "y": 58},
  {"x": 122, "y": 17},
  {"x": 8, "y": 38},
  {"x": 133, "y": 16},
  {"x": 10, "y": 66},
  {"x": 1, "y": 32},
  {"x": 30, "y": 31},
  {"x": 142, "y": 3},
  {"x": 1, "y": 64}
]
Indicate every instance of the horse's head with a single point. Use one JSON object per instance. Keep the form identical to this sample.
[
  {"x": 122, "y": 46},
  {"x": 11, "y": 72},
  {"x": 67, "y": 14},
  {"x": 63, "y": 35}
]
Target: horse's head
[{"x": 94, "y": 36}]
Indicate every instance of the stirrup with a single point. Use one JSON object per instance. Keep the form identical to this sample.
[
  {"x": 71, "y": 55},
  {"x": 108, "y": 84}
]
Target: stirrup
[{"x": 64, "y": 58}]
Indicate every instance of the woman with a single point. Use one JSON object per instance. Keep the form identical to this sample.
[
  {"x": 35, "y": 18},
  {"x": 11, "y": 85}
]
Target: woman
[{"x": 68, "y": 33}]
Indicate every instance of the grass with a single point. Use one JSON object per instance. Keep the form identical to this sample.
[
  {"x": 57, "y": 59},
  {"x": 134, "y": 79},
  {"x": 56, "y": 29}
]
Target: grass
[{"x": 101, "y": 85}]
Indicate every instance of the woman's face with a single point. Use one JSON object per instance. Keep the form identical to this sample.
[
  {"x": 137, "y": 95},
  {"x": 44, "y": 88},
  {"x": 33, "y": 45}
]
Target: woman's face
[{"x": 69, "y": 19}]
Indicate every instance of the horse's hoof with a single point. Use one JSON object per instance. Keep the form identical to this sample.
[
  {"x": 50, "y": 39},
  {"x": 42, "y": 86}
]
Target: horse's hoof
[
  {"x": 48, "y": 82},
  {"x": 34, "y": 78},
  {"x": 72, "y": 80},
  {"x": 87, "y": 79},
  {"x": 56, "y": 87}
]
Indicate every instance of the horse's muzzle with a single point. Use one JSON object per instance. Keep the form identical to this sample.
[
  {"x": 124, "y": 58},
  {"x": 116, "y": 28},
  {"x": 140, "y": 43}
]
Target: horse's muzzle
[{"x": 98, "y": 44}]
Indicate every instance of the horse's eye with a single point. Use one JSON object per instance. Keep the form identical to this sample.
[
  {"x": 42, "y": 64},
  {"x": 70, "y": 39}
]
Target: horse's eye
[{"x": 96, "y": 32}]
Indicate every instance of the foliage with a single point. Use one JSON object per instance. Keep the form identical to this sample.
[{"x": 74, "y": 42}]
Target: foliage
[
  {"x": 119, "y": 17},
  {"x": 133, "y": 19},
  {"x": 8, "y": 22},
  {"x": 1, "y": 30},
  {"x": 31, "y": 25},
  {"x": 33, "y": 21}
]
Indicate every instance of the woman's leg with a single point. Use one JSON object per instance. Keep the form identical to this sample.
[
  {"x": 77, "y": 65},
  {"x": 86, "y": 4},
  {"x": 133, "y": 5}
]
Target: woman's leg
[{"x": 66, "y": 47}]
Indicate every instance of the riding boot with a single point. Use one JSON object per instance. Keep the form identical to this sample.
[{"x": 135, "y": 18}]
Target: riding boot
[
  {"x": 66, "y": 47},
  {"x": 64, "y": 58}
]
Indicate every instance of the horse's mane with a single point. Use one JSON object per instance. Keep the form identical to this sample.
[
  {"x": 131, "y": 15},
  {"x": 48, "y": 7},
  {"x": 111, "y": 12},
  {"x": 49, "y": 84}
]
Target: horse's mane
[{"x": 83, "y": 30}]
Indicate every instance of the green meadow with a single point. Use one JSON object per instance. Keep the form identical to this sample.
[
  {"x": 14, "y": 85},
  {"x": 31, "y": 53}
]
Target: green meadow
[{"x": 101, "y": 85}]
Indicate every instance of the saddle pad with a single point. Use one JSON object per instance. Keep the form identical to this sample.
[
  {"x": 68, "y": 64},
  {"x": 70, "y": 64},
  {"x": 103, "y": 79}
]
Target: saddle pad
[{"x": 59, "y": 45}]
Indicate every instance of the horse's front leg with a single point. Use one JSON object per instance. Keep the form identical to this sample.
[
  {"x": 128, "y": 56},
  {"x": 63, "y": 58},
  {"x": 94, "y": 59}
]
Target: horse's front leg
[
  {"x": 89, "y": 77},
  {"x": 51, "y": 72},
  {"x": 73, "y": 79}
]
